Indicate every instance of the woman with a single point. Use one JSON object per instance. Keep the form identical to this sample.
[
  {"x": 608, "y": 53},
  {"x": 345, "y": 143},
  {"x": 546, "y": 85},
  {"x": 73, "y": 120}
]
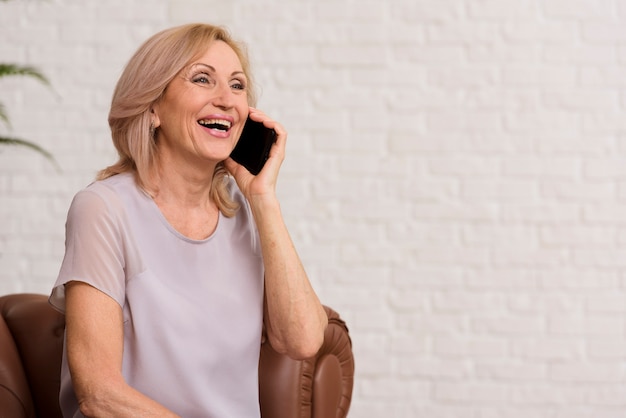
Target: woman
[{"x": 177, "y": 257}]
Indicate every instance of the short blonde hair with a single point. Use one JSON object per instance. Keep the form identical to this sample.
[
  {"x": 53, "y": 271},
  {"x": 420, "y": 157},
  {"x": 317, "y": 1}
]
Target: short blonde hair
[{"x": 143, "y": 82}]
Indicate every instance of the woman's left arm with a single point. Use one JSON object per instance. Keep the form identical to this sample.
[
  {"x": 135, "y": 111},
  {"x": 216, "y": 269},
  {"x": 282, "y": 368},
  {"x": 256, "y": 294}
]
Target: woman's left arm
[{"x": 295, "y": 320}]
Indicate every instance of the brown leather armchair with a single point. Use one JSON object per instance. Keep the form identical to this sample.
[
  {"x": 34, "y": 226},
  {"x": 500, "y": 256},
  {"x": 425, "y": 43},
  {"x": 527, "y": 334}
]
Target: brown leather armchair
[{"x": 31, "y": 340}]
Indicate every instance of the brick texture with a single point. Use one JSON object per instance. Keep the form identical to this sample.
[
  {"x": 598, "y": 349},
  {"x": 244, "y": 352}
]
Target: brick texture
[{"x": 455, "y": 180}]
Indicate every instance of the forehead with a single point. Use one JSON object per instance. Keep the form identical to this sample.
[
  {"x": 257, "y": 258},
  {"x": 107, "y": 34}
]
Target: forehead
[{"x": 220, "y": 56}]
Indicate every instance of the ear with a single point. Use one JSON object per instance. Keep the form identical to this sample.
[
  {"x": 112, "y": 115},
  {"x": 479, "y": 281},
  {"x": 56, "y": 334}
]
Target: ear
[{"x": 156, "y": 122}]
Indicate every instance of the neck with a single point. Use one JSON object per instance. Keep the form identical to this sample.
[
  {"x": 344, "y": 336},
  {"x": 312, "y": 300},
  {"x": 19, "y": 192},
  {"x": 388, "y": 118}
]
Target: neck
[
  {"x": 183, "y": 195},
  {"x": 186, "y": 183}
]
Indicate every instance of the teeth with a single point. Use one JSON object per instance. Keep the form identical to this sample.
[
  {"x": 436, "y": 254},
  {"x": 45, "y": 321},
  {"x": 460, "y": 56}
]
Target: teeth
[{"x": 215, "y": 123}]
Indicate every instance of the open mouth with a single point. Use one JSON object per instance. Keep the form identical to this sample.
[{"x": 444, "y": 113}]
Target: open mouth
[{"x": 218, "y": 124}]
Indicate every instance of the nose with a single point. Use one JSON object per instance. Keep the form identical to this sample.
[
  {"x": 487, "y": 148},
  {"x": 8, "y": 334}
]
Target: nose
[{"x": 223, "y": 98}]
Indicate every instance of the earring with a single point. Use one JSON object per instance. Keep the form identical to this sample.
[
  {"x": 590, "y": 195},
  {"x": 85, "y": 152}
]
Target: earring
[{"x": 152, "y": 130}]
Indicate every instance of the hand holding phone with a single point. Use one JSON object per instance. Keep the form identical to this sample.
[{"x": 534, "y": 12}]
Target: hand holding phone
[{"x": 253, "y": 148}]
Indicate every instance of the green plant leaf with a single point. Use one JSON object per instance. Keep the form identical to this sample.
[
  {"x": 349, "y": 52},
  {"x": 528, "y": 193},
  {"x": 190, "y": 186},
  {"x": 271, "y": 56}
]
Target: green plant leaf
[
  {"x": 25, "y": 70},
  {"x": 3, "y": 114},
  {"x": 24, "y": 143}
]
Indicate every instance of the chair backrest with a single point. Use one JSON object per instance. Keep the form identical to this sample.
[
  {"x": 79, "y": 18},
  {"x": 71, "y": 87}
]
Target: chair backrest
[
  {"x": 31, "y": 332},
  {"x": 31, "y": 344}
]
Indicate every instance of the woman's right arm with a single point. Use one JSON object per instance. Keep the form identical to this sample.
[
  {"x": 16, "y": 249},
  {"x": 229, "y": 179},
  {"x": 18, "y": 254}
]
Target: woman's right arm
[{"x": 95, "y": 342}]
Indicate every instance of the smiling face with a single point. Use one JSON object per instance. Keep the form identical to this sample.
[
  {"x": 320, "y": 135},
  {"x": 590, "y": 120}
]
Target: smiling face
[{"x": 202, "y": 111}]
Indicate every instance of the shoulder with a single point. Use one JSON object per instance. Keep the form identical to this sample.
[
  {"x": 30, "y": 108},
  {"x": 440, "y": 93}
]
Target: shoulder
[
  {"x": 235, "y": 194},
  {"x": 103, "y": 197},
  {"x": 116, "y": 186},
  {"x": 244, "y": 212},
  {"x": 243, "y": 219}
]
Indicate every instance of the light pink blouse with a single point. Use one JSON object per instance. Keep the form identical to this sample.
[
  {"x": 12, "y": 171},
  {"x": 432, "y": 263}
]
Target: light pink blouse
[{"x": 193, "y": 310}]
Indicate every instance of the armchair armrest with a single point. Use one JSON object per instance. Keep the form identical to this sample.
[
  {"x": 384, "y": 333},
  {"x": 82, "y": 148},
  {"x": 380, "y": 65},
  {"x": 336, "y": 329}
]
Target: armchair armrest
[{"x": 319, "y": 387}]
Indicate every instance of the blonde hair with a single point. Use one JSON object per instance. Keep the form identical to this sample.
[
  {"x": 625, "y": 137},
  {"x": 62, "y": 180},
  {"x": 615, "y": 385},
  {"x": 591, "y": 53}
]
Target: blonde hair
[{"x": 143, "y": 82}]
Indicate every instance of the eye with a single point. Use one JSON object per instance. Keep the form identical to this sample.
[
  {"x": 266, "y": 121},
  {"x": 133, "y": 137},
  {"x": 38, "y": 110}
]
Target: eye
[
  {"x": 238, "y": 84},
  {"x": 201, "y": 78}
]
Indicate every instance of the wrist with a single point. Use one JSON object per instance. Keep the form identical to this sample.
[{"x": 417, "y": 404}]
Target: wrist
[{"x": 264, "y": 203}]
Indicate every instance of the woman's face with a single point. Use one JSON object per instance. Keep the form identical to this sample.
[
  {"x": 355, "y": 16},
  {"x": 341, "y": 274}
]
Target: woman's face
[{"x": 203, "y": 109}]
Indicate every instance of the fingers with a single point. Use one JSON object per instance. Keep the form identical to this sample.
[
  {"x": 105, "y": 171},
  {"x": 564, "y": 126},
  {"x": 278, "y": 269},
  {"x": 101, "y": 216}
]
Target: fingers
[{"x": 259, "y": 116}]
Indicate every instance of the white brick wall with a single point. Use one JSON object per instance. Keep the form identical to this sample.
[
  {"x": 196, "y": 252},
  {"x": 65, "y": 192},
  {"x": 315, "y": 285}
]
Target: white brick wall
[{"x": 455, "y": 180}]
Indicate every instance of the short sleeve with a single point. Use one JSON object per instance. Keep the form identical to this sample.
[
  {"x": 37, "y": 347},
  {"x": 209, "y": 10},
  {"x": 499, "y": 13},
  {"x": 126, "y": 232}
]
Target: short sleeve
[{"x": 94, "y": 247}]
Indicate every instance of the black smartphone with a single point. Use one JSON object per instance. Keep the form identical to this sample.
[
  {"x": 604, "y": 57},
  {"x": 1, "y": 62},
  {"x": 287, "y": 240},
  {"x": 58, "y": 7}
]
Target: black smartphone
[{"x": 253, "y": 148}]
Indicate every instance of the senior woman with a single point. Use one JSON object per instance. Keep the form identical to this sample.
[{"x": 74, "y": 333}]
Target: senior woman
[{"x": 177, "y": 256}]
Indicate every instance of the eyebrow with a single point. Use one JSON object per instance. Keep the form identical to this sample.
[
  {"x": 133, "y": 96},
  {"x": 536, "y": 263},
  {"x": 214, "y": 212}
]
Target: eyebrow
[{"x": 212, "y": 69}]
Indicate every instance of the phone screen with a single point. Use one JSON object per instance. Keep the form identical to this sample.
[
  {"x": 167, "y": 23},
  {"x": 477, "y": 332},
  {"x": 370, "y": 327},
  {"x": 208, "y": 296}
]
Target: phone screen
[{"x": 253, "y": 148}]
